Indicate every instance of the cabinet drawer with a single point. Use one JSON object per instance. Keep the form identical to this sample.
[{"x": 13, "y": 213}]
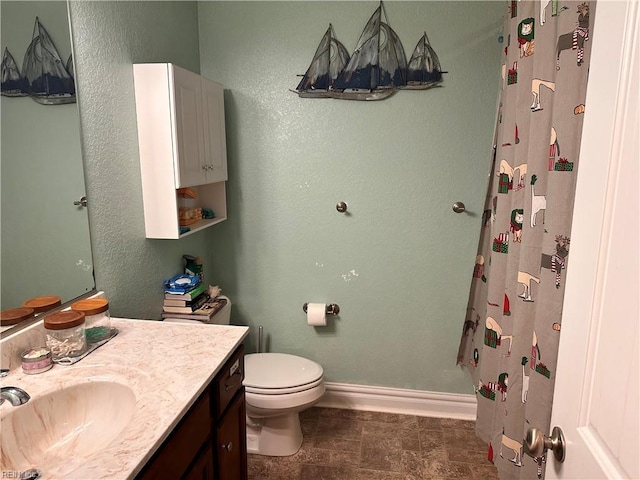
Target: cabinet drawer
[
  {"x": 231, "y": 442},
  {"x": 228, "y": 381},
  {"x": 177, "y": 452}
]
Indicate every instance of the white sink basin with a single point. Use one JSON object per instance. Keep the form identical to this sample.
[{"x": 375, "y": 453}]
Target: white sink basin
[{"x": 74, "y": 422}]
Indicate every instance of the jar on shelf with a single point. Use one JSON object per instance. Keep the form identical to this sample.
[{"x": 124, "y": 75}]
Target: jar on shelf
[
  {"x": 43, "y": 303},
  {"x": 65, "y": 334},
  {"x": 97, "y": 318}
]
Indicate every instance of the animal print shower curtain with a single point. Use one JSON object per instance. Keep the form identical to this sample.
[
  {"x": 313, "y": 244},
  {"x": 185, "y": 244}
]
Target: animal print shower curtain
[{"x": 511, "y": 331}]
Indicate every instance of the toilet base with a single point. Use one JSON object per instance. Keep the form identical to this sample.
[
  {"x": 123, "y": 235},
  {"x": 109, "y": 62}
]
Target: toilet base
[{"x": 279, "y": 436}]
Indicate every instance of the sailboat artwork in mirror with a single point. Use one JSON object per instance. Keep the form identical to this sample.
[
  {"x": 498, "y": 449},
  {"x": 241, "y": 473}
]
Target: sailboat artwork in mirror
[
  {"x": 45, "y": 77},
  {"x": 13, "y": 82},
  {"x": 377, "y": 69}
]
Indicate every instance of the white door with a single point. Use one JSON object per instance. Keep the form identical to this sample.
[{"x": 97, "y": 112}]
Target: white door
[{"x": 596, "y": 401}]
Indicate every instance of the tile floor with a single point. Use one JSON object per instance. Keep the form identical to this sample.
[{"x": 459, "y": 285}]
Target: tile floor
[{"x": 356, "y": 445}]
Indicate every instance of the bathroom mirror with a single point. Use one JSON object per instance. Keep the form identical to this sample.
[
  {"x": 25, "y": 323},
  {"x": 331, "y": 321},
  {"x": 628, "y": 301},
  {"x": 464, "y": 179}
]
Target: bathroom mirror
[{"x": 45, "y": 243}]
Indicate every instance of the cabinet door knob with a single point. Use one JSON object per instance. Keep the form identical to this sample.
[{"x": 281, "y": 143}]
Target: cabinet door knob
[{"x": 227, "y": 446}]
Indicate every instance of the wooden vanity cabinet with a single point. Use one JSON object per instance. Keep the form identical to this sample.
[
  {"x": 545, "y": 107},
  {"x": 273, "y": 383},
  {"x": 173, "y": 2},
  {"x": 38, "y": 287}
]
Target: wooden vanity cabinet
[
  {"x": 210, "y": 441},
  {"x": 231, "y": 442},
  {"x": 203, "y": 468}
]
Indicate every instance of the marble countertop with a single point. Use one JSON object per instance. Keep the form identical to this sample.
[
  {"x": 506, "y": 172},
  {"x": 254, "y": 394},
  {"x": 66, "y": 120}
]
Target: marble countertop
[{"x": 167, "y": 365}]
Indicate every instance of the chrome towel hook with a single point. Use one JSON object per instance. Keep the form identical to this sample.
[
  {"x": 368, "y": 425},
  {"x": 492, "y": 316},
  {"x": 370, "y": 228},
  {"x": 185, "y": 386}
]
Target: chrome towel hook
[
  {"x": 332, "y": 309},
  {"x": 459, "y": 207}
]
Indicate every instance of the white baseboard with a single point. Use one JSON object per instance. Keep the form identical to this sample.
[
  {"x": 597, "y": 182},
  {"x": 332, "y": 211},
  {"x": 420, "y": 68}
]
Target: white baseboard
[{"x": 399, "y": 400}]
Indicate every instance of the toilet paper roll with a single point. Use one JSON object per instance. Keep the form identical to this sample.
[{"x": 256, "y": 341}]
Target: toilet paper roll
[{"x": 317, "y": 314}]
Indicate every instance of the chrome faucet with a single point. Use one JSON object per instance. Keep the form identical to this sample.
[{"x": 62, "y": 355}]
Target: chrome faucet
[{"x": 15, "y": 395}]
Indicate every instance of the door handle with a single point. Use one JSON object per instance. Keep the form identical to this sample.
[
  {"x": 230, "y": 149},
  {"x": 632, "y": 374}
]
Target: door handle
[{"x": 536, "y": 443}]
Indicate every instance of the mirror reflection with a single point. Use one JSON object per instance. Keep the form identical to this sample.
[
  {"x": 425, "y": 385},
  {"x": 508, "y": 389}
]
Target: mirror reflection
[{"x": 45, "y": 247}]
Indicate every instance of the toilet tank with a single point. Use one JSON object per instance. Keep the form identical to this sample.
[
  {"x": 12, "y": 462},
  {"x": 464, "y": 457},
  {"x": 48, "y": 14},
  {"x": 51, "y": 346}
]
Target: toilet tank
[{"x": 223, "y": 317}]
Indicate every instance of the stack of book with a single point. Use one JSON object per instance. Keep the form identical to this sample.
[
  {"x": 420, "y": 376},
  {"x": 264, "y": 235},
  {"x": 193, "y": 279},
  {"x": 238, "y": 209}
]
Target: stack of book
[{"x": 194, "y": 304}]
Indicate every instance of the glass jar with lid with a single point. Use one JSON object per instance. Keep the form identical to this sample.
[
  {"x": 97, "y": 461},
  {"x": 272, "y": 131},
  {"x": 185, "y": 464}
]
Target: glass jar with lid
[
  {"x": 97, "y": 318},
  {"x": 65, "y": 334}
]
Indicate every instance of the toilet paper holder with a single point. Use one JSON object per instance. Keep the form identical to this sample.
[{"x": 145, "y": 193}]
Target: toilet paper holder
[{"x": 332, "y": 309}]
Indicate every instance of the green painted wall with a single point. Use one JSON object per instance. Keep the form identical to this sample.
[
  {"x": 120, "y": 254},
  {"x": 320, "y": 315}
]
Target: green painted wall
[
  {"x": 399, "y": 265},
  {"x": 108, "y": 38}
]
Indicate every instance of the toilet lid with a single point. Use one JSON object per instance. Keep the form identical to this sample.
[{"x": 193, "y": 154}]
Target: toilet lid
[{"x": 279, "y": 370}]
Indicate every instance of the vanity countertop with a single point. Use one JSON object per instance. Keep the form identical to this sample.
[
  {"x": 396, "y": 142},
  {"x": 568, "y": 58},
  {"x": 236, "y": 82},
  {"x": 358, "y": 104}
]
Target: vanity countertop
[{"x": 167, "y": 365}]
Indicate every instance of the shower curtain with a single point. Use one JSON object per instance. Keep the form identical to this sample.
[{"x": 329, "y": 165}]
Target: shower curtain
[{"x": 511, "y": 330}]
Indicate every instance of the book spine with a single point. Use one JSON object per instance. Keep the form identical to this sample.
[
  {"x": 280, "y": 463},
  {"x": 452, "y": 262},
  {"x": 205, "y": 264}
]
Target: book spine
[
  {"x": 190, "y": 295},
  {"x": 196, "y": 305},
  {"x": 177, "y": 303}
]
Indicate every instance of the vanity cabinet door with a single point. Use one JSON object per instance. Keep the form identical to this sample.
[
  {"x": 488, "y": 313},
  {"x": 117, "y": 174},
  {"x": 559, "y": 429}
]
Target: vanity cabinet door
[
  {"x": 231, "y": 442},
  {"x": 176, "y": 454},
  {"x": 210, "y": 442},
  {"x": 203, "y": 468}
]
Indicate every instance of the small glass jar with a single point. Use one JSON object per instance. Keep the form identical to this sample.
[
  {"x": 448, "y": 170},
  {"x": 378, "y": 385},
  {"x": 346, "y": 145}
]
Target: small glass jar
[
  {"x": 97, "y": 318},
  {"x": 36, "y": 360},
  {"x": 65, "y": 334},
  {"x": 43, "y": 303}
]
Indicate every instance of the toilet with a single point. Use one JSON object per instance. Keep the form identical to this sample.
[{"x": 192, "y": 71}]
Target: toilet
[{"x": 278, "y": 387}]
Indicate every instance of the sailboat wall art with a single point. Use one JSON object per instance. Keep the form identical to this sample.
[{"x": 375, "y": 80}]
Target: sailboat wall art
[
  {"x": 44, "y": 77},
  {"x": 376, "y": 69},
  {"x": 13, "y": 82}
]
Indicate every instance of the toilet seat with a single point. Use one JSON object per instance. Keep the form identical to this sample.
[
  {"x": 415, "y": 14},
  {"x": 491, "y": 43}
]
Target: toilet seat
[
  {"x": 280, "y": 374},
  {"x": 284, "y": 391}
]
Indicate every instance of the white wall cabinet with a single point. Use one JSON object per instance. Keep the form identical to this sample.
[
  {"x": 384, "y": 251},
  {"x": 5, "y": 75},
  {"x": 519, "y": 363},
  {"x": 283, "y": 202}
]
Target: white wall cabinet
[{"x": 182, "y": 143}]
